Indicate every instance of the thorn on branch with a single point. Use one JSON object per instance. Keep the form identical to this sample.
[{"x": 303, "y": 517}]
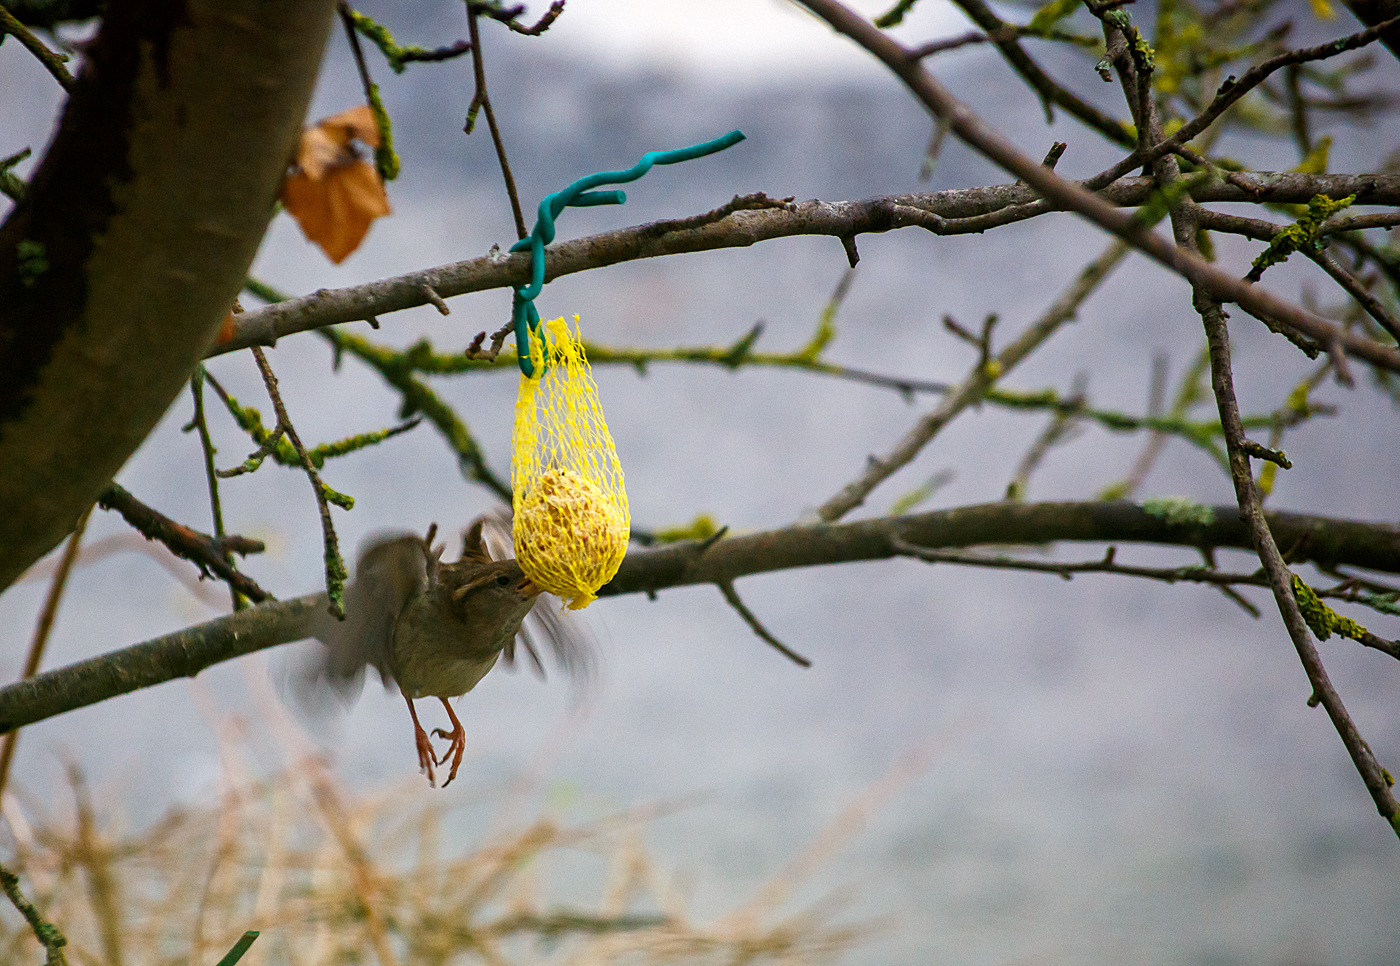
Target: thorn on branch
[
  {"x": 742, "y": 347},
  {"x": 732, "y": 596},
  {"x": 848, "y": 242},
  {"x": 1052, "y": 158},
  {"x": 703, "y": 547},
  {"x": 53, "y": 63},
  {"x": 434, "y": 299}
]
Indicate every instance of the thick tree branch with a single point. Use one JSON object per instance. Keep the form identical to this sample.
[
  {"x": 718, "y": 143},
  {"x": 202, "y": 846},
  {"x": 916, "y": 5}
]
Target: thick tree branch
[
  {"x": 838, "y": 219},
  {"x": 1324, "y": 541},
  {"x": 134, "y": 237}
]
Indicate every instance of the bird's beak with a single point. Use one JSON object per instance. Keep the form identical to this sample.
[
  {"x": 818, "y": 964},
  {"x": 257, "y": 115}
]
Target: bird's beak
[{"x": 528, "y": 587}]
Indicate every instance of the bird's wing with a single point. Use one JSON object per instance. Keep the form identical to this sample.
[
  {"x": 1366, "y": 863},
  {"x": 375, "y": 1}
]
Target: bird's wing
[{"x": 391, "y": 570}]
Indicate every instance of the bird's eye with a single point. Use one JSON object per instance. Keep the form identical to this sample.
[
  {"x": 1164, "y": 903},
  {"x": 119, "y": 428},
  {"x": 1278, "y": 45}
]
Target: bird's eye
[{"x": 503, "y": 580}]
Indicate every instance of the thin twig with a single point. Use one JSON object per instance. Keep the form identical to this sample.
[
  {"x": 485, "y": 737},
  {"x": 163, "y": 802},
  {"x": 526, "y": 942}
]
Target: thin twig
[
  {"x": 974, "y": 386},
  {"x": 206, "y": 445},
  {"x": 481, "y": 99},
  {"x": 207, "y": 553},
  {"x": 335, "y": 564},
  {"x": 41, "y": 633},
  {"x": 1354, "y": 287},
  {"x": 352, "y": 36},
  {"x": 52, "y": 62},
  {"x": 46, "y": 932},
  {"x": 474, "y": 350},
  {"x": 1060, "y": 430},
  {"x": 1157, "y": 440},
  {"x": 540, "y": 25},
  {"x": 1196, "y": 574},
  {"x": 726, "y": 587}
]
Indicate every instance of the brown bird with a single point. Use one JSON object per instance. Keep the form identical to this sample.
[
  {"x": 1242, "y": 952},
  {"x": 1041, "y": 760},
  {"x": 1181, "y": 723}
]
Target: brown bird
[{"x": 433, "y": 630}]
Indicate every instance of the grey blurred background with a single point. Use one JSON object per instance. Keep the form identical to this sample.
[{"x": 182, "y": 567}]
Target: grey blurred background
[{"x": 1117, "y": 772}]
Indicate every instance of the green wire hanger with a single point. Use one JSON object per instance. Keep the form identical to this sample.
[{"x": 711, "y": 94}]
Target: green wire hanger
[{"x": 579, "y": 195}]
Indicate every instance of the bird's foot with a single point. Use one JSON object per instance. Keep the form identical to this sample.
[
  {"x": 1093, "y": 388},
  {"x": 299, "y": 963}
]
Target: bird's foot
[
  {"x": 457, "y": 743},
  {"x": 456, "y": 747},
  {"x": 425, "y": 747}
]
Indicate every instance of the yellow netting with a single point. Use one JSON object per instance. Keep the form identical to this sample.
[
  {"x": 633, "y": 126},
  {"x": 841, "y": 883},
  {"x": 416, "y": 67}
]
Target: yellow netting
[{"x": 571, "y": 516}]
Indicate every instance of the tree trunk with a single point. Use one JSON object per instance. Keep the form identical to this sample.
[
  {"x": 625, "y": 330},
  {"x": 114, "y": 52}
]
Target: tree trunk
[{"x": 134, "y": 237}]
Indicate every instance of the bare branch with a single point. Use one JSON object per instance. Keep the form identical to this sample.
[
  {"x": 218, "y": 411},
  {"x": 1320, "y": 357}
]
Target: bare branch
[
  {"x": 731, "y": 595},
  {"x": 1327, "y": 542},
  {"x": 841, "y": 220},
  {"x": 975, "y": 132},
  {"x": 974, "y": 387},
  {"x": 209, "y": 554}
]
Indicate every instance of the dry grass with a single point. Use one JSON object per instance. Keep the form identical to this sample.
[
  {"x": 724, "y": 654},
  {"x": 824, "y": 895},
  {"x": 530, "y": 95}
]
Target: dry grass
[{"x": 333, "y": 879}]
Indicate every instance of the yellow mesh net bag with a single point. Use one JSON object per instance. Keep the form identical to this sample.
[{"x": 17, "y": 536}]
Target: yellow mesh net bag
[{"x": 571, "y": 517}]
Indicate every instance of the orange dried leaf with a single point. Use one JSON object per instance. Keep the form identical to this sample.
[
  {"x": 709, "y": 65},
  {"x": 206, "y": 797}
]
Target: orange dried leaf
[
  {"x": 333, "y": 193},
  {"x": 357, "y": 123},
  {"x": 336, "y": 210}
]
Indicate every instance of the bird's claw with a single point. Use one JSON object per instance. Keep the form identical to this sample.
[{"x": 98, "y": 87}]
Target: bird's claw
[
  {"x": 426, "y": 757},
  {"x": 425, "y": 747},
  {"x": 456, "y": 747}
]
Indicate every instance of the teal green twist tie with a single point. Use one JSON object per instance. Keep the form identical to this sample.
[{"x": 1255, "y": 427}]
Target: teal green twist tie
[{"x": 580, "y": 195}]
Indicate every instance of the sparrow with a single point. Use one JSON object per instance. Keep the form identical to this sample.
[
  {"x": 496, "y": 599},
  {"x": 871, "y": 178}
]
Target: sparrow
[{"x": 434, "y": 629}]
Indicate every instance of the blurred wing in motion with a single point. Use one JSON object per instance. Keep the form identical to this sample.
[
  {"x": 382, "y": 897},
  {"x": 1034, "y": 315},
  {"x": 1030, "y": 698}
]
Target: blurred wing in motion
[
  {"x": 548, "y": 626},
  {"x": 390, "y": 571}
]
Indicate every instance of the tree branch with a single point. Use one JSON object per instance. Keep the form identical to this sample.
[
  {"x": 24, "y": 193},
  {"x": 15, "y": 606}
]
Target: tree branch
[
  {"x": 1327, "y": 542},
  {"x": 839, "y": 219},
  {"x": 209, "y": 554},
  {"x": 990, "y": 143},
  {"x": 974, "y": 386}
]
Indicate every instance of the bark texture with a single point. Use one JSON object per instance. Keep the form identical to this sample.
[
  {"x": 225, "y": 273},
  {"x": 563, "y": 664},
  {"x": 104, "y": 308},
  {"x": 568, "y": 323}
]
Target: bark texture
[{"x": 134, "y": 237}]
